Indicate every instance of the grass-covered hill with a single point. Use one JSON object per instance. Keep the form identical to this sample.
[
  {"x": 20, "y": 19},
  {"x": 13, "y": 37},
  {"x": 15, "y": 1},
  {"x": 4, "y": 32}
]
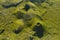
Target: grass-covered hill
[{"x": 29, "y": 19}]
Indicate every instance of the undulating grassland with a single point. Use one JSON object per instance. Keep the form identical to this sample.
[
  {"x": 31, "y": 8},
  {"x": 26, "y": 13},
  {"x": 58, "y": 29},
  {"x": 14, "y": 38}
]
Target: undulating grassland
[{"x": 29, "y": 19}]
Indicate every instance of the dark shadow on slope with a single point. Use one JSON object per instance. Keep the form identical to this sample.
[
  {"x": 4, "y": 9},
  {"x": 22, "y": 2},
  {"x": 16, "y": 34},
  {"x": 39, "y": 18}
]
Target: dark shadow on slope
[
  {"x": 23, "y": 16},
  {"x": 19, "y": 15},
  {"x": 50, "y": 3},
  {"x": 39, "y": 17},
  {"x": 31, "y": 38},
  {"x": 37, "y": 1},
  {"x": 44, "y": 13},
  {"x": 39, "y": 30},
  {"x": 1, "y": 31},
  {"x": 0, "y": 13},
  {"x": 27, "y": 7},
  {"x": 12, "y": 5},
  {"x": 17, "y": 31}
]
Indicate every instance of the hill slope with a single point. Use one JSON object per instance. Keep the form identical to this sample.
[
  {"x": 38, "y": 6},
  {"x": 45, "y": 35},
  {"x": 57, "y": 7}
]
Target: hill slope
[{"x": 29, "y": 20}]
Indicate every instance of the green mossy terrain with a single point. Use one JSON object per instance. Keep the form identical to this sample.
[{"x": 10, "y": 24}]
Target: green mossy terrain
[{"x": 29, "y": 19}]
